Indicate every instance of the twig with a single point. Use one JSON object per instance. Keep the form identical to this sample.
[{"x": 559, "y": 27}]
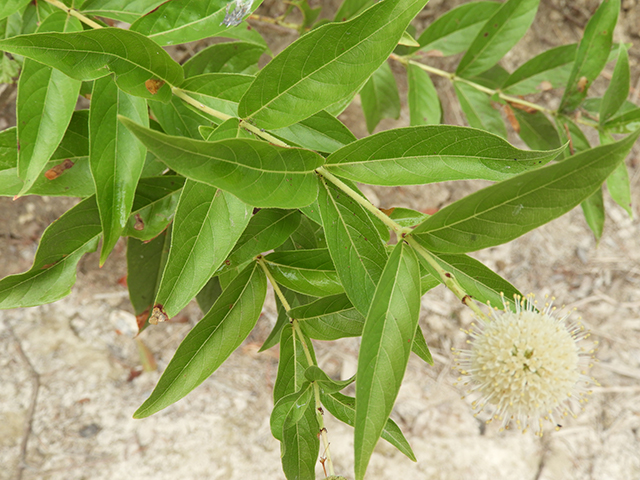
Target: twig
[
  {"x": 74, "y": 13},
  {"x": 35, "y": 380}
]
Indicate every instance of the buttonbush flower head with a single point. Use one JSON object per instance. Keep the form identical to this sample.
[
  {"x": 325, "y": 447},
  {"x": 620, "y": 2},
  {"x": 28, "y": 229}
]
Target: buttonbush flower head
[{"x": 527, "y": 364}]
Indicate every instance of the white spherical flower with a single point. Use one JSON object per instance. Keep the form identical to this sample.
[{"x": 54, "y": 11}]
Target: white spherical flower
[{"x": 528, "y": 364}]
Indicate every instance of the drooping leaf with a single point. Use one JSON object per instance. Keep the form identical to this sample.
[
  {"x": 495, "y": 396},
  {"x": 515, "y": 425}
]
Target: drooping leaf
[
  {"x": 454, "y": 31},
  {"x": 355, "y": 245},
  {"x": 209, "y": 294},
  {"x": 319, "y": 73},
  {"x": 61, "y": 247},
  {"x": 343, "y": 408},
  {"x": 497, "y": 36},
  {"x": 477, "y": 107},
  {"x": 154, "y": 206},
  {"x": 282, "y": 320},
  {"x": 267, "y": 229},
  {"x": 618, "y": 89},
  {"x": 289, "y": 409},
  {"x": 505, "y": 211},
  {"x": 45, "y": 104},
  {"x": 619, "y": 187},
  {"x": 123, "y": 10},
  {"x": 424, "y": 103},
  {"x": 293, "y": 363},
  {"x": 92, "y": 54},
  {"x": 211, "y": 341},
  {"x": 115, "y": 156},
  {"x": 537, "y": 131},
  {"x": 207, "y": 225},
  {"x": 329, "y": 318},
  {"x": 406, "y": 217},
  {"x": 592, "y": 54},
  {"x": 300, "y": 446},
  {"x": 593, "y": 210},
  {"x": 435, "y": 153},
  {"x": 420, "y": 348},
  {"x": 326, "y": 383},
  {"x": 553, "y": 66},
  {"x": 145, "y": 263},
  {"x": 258, "y": 173},
  {"x": 384, "y": 352},
  {"x": 380, "y": 98},
  {"x": 231, "y": 57},
  {"x": 182, "y": 21}
]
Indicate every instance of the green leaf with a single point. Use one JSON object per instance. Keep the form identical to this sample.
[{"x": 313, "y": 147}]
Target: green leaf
[
  {"x": 46, "y": 101},
  {"x": 61, "y": 247},
  {"x": 209, "y": 294},
  {"x": 220, "y": 91},
  {"x": 553, "y": 66},
  {"x": 73, "y": 180},
  {"x": 211, "y": 341},
  {"x": 618, "y": 89},
  {"x": 435, "y": 153},
  {"x": 350, "y": 8},
  {"x": 319, "y": 73},
  {"x": 477, "y": 107},
  {"x": 12, "y": 6},
  {"x": 627, "y": 122},
  {"x": 326, "y": 383},
  {"x": 492, "y": 78},
  {"x": 407, "y": 40},
  {"x": 115, "y": 156},
  {"x": 154, "y": 206},
  {"x": 619, "y": 187},
  {"x": 282, "y": 320},
  {"x": 306, "y": 271},
  {"x": 384, "y": 352},
  {"x": 289, "y": 409},
  {"x": 479, "y": 281},
  {"x": 593, "y": 210},
  {"x": 182, "y": 21},
  {"x": 592, "y": 54},
  {"x": 505, "y": 211},
  {"x": 208, "y": 224},
  {"x": 321, "y": 132},
  {"x": 145, "y": 263},
  {"x": 309, "y": 235},
  {"x": 176, "y": 118},
  {"x": 420, "y": 348},
  {"x": 380, "y": 98},
  {"x": 355, "y": 245},
  {"x": 256, "y": 172},
  {"x": 123, "y": 10},
  {"x": 569, "y": 131},
  {"x": 497, "y": 36},
  {"x": 343, "y": 408},
  {"x": 246, "y": 33},
  {"x": 293, "y": 363},
  {"x": 329, "y": 318},
  {"x": 300, "y": 447},
  {"x": 91, "y": 54},
  {"x": 537, "y": 131},
  {"x": 406, "y": 217},
  {"x": 454, "y": 31},
  {"x": 424, "y": 103},
  {"x": 230, "y": 57},
  {"x": 267, "y": 229},
  {"x": 228, "y": 129}
]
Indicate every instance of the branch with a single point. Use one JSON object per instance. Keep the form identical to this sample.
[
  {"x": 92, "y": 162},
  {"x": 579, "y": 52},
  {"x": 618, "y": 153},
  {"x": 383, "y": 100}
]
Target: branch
[{"x": 74, "y": 13}]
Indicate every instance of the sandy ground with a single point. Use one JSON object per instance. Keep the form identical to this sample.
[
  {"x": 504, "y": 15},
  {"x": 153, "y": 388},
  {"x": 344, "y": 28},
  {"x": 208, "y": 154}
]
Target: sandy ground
[{"x": 75, "y": 365}]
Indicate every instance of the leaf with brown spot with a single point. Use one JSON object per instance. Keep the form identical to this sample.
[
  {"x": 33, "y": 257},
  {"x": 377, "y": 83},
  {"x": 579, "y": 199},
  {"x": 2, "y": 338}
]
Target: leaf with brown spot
[
  {"x": 58, "y": 170},
  {"x": 153, "y": 85}
]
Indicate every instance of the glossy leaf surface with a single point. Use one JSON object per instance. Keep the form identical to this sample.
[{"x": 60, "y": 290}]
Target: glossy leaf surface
[
  {"x": 415, "y": 155},
  {"x": 384, "y": 352},
  {"x": 211, "y": 341},
  {"x": 115, "y": 156},
  {"x": 258, "y": 173},
  {"x": 505, "y": 211},
  {"x": 207, "y": 225},
  {"x": 354, "y": 243},
  {"x": 320, "y": 71},
  {"x": 46, "y": 101},
  {"x": 91, "y": 54},
  {"x": 497, "y": 36}
]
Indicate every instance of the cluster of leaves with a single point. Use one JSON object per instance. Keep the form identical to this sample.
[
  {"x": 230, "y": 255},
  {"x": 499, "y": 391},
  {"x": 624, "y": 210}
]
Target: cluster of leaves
[{"x": 207, "y": 166}]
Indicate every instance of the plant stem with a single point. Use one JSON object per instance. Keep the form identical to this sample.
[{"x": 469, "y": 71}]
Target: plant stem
[
  {"x": 74, "y": 13},
  {"x": 316, "y": 388},
  {"x": 275, "y": 21},
  {"x": 447, "y": 278},
  {"x": 362, "y": 201},
  {"x": 454, "y": 78},
  {"x": 192, "y": 101}
]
